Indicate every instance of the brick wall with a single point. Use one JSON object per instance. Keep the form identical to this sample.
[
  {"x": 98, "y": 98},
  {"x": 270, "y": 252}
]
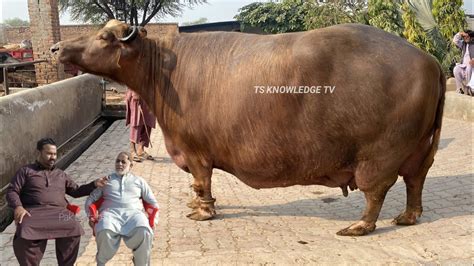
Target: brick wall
[
  {"x": 44, "y": 27},
  {"x": 3, "y": 38},
  {"x": 17, "y": 34}
]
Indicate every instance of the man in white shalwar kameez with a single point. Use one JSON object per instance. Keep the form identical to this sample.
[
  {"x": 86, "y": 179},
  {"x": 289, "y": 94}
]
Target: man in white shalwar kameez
[
  {"x": 463, "y": 71},
  {"x": 121, "y": 214}
]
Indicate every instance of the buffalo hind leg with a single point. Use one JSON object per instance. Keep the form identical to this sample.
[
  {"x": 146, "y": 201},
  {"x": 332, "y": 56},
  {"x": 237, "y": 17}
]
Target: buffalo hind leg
[
  {"x": 374, "y": 196},
  {"x": 203, "y": 204},
  {"x": 414, "y": 206},
  {"x": 414, "y": 172}
]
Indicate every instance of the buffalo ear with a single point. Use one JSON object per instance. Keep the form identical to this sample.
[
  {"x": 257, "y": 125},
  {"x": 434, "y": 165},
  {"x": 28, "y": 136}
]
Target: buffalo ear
[{"x": 142, "y": 32}]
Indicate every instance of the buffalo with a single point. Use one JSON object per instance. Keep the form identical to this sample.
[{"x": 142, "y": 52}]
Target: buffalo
[{"x": 347, "y": 106}]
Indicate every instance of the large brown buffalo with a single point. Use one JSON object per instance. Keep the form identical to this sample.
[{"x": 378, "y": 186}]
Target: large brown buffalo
[{"x": 344, "y": 106}]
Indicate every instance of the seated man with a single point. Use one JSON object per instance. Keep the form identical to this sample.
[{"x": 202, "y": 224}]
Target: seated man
[
  {"x": 37, "y": 194},
  {"x": 121, "y": 214},
  {"x": 463, "y": 71}
]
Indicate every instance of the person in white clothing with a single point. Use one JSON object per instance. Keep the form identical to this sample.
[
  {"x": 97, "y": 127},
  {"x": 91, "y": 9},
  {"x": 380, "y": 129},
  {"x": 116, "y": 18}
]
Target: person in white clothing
[
  {"x": 121, "y": 214},
  {"x": 463, "y": 71}
]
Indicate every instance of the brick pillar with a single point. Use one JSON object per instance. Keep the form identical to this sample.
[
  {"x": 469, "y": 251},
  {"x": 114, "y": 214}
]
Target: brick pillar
[
  {"x": 3, "y": 37},
  {"x": 44, "y": 27}
]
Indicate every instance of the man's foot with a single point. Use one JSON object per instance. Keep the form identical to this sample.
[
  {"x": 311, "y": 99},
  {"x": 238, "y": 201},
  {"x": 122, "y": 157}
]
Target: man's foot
[
  {"x": 469, "y": 90},
  {"x": 459, "y": 90},
  {"x": 137, "y": 158},
  {"x": 146, "y": 156}
]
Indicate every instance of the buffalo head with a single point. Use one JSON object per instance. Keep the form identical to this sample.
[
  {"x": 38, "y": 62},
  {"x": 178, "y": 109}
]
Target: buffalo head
[{"x": 105, "y": 53}]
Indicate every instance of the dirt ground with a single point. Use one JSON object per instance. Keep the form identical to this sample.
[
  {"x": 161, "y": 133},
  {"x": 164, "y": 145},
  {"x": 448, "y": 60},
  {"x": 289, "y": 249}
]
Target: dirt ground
[{"x": 115, "y": 98}]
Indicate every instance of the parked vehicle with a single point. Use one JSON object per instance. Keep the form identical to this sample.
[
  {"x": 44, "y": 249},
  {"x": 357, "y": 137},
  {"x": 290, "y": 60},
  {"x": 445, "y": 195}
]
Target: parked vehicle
[{"x": 22, "y": 76}]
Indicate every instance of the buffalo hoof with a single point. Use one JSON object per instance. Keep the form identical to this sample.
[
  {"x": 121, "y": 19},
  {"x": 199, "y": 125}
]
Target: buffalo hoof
[
  {"x": 201, "y": 214},
  {"x": 358, "y": 229},
  {"x": 194, "y": 203},
  {"x": 405, "y": 219}
]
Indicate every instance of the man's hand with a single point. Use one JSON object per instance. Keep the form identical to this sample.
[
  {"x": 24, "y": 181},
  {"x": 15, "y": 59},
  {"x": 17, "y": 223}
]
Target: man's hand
[
  {"x": 100, "y": 182},
  {"x": 20, "y": 212},
  {"x": 471, "y": 62},
  {"x": 92, "y": 222}
]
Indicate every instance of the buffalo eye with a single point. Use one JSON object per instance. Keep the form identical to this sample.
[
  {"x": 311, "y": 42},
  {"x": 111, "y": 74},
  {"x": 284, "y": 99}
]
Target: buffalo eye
[{"x": 107, "y": 36}]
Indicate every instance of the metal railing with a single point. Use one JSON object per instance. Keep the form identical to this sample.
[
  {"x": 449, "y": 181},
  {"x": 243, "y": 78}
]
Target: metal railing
[{"x": 5, "y": 68}]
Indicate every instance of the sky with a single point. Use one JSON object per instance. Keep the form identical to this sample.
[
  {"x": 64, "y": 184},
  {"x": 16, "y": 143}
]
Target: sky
[{"x": 214, "y": 11}]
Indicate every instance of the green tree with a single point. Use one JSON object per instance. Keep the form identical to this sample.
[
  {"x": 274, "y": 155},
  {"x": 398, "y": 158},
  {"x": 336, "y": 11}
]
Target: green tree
[
  {"x": 198, "y": 21},
  {"x": 451, "y": 19},
  {"x": 414, "y": 32},
  {"x": 274, "y": 17},
  {"x": 16, "y": 22},
  {"x": 334, "y": 12},
  {"x": 299, "y": 15},
  {"x": 135, "y": 12},
  {"x": 449, "y": 16},
  {"x": 385, "y": 14},
  {"x": 426, "y": 29}
]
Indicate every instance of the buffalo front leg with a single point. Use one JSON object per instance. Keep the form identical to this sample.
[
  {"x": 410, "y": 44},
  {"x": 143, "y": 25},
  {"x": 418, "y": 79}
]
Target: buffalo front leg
[
  {"x": 203, "y": 203},
  {"x": 195, "y": 202},
  {"x": 374, "y": 196}
]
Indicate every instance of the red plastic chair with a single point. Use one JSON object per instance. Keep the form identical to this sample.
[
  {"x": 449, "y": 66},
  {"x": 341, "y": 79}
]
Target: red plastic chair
[
  {"x": 73, "y": 208},
  {"x": 94, "y": 211}
]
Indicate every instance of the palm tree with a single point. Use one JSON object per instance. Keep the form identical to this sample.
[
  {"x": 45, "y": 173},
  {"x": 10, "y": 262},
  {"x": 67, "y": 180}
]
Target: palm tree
[{"x": 431, "y": 38}]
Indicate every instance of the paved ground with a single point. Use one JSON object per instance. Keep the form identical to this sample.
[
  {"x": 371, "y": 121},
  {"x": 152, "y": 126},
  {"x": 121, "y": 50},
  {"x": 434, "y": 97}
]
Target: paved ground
[{"x": 295, "y": 225}]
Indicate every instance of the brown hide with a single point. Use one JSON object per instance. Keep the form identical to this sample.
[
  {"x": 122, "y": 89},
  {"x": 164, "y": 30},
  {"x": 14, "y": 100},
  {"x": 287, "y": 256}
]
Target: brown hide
[{"x": 381, "y": 118}]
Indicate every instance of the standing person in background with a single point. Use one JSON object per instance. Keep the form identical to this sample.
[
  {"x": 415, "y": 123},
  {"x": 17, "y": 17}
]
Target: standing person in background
[
  {"x": 141, "y": 122},
  {"x": 463, "y": 71}
]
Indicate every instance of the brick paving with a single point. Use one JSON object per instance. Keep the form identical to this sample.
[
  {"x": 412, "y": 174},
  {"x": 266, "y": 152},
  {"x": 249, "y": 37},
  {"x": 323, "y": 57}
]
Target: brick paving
[{"x": 295, "y": 225}]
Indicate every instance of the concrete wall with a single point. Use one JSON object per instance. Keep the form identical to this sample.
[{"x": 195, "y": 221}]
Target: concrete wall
[
  {"x": 58, "y": 110},
  {"x": 470, "y": 23},
  {"x": 459, "y": 106}
]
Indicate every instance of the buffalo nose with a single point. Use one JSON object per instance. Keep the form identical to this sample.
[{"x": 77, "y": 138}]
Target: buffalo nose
[{"x": 54, "y": 48}]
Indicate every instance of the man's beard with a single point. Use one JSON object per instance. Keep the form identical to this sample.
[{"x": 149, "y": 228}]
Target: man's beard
[
  {"x": 122, "y": 172},
  {"x": 49, "y": 164}
]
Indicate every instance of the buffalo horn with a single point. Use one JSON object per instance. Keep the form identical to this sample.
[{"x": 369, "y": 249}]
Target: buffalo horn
[{"x": 131, "y": 36}]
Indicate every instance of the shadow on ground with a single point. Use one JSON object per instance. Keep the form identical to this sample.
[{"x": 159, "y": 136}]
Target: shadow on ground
[{"x": 443, "y": 191}]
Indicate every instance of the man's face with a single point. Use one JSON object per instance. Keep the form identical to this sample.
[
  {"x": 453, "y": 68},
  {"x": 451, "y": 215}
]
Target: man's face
[
  {"x": 47, "y": 156},
  {"x": 467, "y": 38},
  {"x": 122, "y": 164}
]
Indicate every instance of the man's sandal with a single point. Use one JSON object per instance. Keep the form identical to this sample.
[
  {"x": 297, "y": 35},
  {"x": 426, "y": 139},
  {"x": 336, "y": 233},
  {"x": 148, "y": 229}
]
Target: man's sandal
[
  {"x": 147, "y": 156},
  {"x": 136, "y": 158}
]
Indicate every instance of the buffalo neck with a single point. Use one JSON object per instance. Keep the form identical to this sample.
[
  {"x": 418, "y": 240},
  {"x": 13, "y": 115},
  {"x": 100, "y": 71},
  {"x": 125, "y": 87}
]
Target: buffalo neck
[{"x": 150, "y": 75}]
